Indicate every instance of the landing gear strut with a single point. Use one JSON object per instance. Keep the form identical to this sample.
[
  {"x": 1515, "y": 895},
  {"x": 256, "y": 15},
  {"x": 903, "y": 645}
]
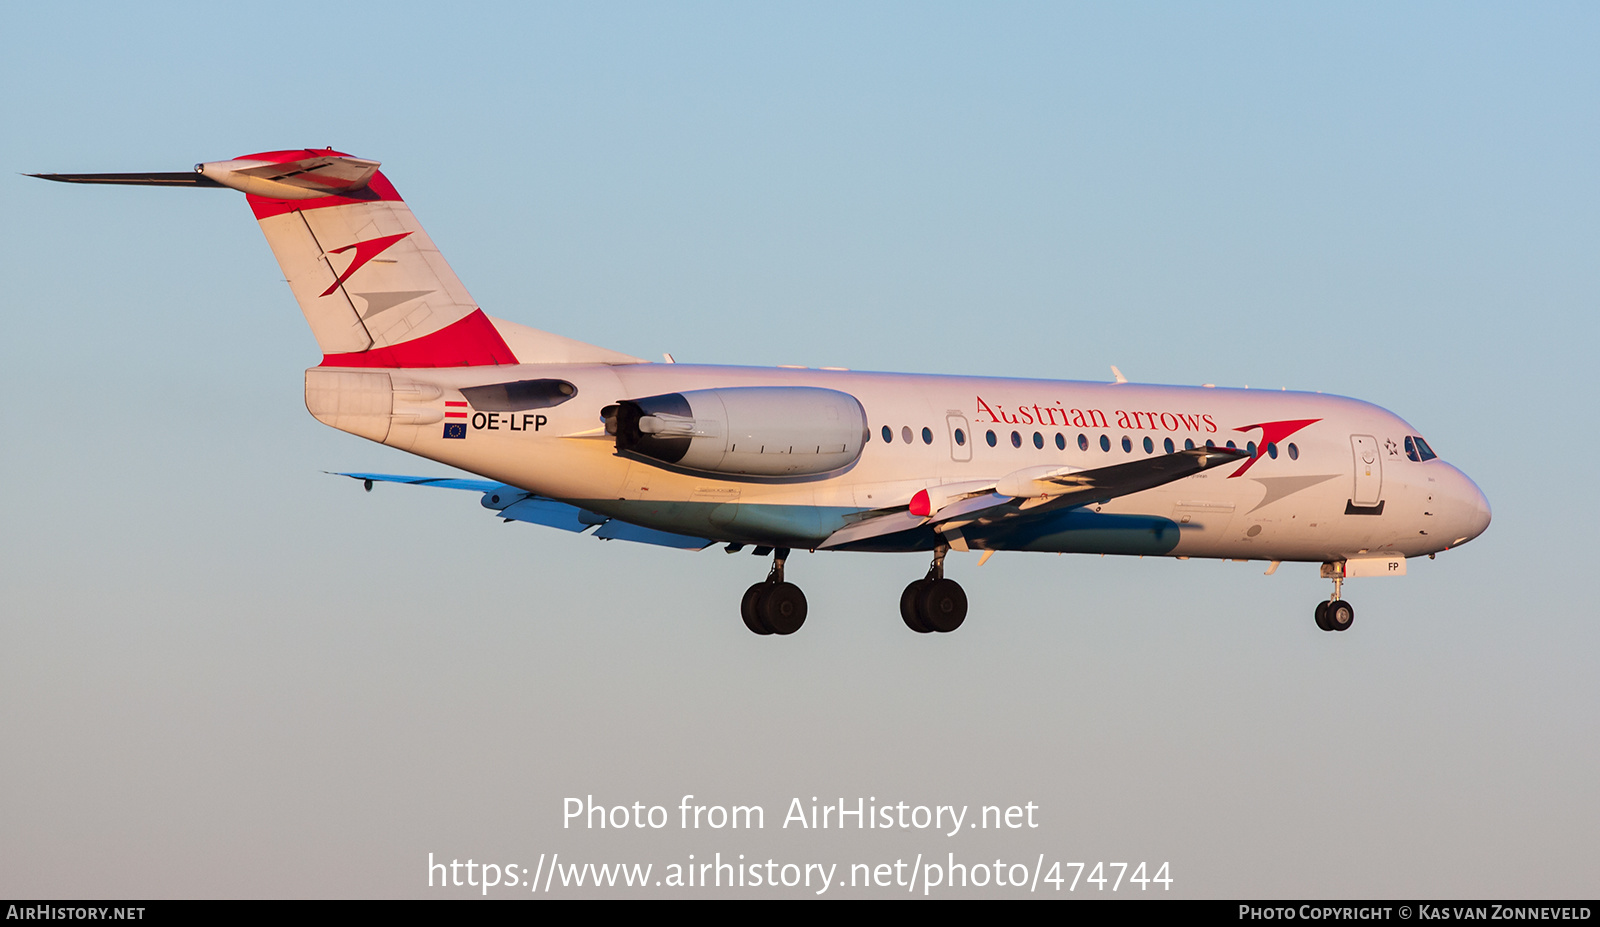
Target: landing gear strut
[
  {"x": 774, "y": 606},
  {"x": 934, "y": 603},
  {"x": 1335, "y": 614}
]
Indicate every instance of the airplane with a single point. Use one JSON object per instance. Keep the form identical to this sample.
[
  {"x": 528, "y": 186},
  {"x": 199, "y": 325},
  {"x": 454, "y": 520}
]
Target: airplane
[{"x": 578, "y": 437}]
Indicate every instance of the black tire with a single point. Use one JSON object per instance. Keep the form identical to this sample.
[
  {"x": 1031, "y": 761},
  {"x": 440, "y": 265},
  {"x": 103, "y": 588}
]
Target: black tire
[
  {"x": 750, "y": 608},
  {"x": 1341, "y": 615},
  {"x": 783, "y": 608},
  {"x": 944, "y": 605},
  {"x": 911, "y": 606},
  {"x": 1322, "y": 616}
]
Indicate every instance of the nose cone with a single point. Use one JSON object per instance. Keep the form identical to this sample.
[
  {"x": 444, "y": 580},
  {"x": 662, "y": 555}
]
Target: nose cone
[{"x": 1466, "y": 510}]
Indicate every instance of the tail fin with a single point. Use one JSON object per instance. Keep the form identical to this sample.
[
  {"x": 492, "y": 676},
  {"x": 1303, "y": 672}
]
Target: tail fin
[{"x": 373, "y": 287}]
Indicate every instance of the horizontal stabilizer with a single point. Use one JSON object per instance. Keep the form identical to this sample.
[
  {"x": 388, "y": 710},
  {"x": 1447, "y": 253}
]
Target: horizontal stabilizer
[
  {"x": 146, "y": 179},
  {"x": 298, "y": 179},
  {"x": 303, "y": 178}
]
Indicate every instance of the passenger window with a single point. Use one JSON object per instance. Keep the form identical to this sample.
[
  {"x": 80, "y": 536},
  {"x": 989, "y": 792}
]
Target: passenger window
[
  {"x": 1188, "y": 444},
  {"x": 1149, "y": 446},
  {"x": 927, "y": 436},
  {"x": 990, "y": 437},
  {"x": 1167, "y": 446},
  {"x": 1061, "y": 441},
  {"x": 1294, "y": 452},
  {"x": 1105, "y": 443},
  {"x": 961, "y": 438},
  {"x": 1127, "y": 444},
  {"x": 905, "y": 433},
  {"x": 1251, "y": 447},
  {"x": 1083, "y": 442},
  {"x": 1272, "y": 451},
  {"x": 888, "y": 436},
  {"x": 1016, "y": 439},
  {"x": 1038, "y": 440}
]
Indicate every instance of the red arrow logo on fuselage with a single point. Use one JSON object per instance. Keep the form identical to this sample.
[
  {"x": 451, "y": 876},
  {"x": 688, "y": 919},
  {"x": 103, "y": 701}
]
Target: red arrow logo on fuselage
[
  {"x": 1271, "y": 433},
  {"x": 365, "y": 251}
]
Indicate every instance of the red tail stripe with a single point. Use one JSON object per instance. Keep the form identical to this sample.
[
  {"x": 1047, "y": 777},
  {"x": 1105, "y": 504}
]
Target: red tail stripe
[{"x": 471, "y": 342}]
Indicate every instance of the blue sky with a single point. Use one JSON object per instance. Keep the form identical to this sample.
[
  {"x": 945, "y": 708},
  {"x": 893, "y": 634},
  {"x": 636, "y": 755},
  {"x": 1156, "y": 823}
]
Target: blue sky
[{"x": 225, "y": 673}]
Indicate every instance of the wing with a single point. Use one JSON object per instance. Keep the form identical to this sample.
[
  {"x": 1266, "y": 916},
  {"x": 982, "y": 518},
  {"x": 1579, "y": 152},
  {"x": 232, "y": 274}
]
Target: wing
[
  {"x": 1030, "y": 493},
  {"x": 513, "y": 504}
]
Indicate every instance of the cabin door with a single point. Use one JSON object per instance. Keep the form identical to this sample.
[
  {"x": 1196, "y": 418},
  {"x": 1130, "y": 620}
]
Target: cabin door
[{"x": 1369, "y": 471}]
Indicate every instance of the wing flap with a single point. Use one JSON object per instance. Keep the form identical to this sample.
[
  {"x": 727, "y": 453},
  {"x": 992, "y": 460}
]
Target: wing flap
[
  {"x": 617, "y": 530},
  {"x": 1043, "y": 490},
  {"x": 442, "y": 482},
  {"x": 1124, "y": 479},
  {"x": 891, "y": 523},
  {"x": 548, "y": 512},
  {"x": 320, "y": 175},
  {"x": 513, "y": 504}
]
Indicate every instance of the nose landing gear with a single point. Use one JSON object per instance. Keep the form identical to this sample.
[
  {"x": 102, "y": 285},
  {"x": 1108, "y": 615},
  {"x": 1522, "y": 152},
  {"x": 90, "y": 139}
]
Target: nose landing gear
[
  {"x": 774, "y": 606},
  {"x": 1335, "y": 614},
  {"x": 934, "y": 603}
]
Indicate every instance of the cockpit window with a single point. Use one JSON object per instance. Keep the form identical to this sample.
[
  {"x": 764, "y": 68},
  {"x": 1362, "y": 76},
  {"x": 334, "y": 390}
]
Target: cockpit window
[{"x": 1418, "y": 449}]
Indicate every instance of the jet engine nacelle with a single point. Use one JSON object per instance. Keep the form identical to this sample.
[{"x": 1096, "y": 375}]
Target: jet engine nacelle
[{"x": 746, "y": 431}]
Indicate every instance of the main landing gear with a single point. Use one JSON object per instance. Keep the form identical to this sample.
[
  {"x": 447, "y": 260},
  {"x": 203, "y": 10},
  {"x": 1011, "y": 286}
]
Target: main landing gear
[
  {"x": 1335, "y": 614},
  {"x": 934, "y": 603},
  {"x": 927, "y": 605},
  {"x": 774, "y": 606}
]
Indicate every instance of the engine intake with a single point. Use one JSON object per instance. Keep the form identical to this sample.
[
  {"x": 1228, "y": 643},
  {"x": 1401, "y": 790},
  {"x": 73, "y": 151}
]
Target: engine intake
[{"x": 745, "y": 431}]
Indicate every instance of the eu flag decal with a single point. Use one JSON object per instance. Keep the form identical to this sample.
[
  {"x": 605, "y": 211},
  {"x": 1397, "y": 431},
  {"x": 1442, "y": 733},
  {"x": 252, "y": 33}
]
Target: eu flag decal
[{"x": 455, "y": 429}]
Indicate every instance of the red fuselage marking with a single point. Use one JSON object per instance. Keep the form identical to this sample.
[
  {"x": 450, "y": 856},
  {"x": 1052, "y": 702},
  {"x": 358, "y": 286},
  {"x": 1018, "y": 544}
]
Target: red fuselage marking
[{"x": 1271, "y": 433}]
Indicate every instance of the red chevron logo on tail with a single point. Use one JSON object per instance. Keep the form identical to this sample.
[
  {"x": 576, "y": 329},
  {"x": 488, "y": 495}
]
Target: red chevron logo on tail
[{"x": 365, "y": 251}]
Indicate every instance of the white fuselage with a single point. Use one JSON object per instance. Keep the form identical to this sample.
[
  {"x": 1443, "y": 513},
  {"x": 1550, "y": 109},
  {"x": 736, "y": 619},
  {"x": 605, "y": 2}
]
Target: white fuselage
[{"x": 1338, "y": 485}]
